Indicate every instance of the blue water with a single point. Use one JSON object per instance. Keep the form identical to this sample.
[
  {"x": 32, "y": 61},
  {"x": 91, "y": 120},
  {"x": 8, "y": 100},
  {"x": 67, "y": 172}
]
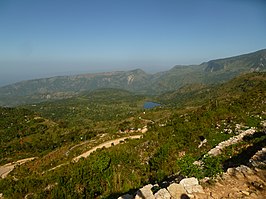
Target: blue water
[{"x": 149, "y": 105}]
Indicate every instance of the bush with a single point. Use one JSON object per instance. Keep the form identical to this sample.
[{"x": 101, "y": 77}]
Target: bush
[
  {"x": 212, "y": 166},
  {"x": 188, "y": 169}
]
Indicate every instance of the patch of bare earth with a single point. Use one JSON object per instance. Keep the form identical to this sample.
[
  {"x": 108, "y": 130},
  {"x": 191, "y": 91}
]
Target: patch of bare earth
[{"x": 240, "y": 182}]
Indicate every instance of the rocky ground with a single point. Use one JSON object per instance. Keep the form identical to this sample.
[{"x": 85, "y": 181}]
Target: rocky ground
[{"x": 239, "y": 182}]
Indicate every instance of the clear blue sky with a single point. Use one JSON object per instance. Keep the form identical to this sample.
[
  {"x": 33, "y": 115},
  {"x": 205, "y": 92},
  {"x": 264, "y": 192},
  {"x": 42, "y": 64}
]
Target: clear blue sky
[{"x": 53, "y": 37}]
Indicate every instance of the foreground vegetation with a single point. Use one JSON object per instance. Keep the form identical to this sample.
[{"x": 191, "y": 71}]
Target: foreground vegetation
[{"x": 168, "y": 148}]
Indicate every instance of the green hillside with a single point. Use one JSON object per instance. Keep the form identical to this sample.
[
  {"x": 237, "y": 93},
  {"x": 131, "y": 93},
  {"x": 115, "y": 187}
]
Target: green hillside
[
  {"x": 168, "y": 148},
  {"x": 196, "y": 94},
  {"x": 23, "y": 133},
  {"x": 99, "y": 108}
]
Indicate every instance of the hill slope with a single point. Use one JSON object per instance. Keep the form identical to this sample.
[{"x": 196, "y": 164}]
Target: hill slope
[
  {"x": 169, "y": 147},
  {"x": 212, "y": 72}
]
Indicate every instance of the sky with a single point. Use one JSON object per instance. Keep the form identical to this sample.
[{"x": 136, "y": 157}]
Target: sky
[{"x": 41, "y": 38}]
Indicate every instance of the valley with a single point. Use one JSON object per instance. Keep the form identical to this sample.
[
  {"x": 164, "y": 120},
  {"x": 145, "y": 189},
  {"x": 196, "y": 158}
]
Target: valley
[{"x": 92, "y": 139}]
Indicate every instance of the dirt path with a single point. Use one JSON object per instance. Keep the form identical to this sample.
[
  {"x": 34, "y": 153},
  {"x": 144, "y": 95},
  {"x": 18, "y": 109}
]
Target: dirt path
[
  {"x": 106, "y": 145},
  {"x": 7, "y": 168}
]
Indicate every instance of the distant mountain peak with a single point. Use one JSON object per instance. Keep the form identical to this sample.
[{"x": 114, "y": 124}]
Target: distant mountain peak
[
  {"x": 255, "y": 61},
  {"x": 138, "y": 71}
]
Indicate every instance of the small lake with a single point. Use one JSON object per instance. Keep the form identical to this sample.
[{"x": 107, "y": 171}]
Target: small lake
[{"x": 149, "y": 105}]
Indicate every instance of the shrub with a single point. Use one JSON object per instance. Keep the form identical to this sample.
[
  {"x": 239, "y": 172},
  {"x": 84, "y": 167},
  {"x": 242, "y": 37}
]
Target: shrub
[
  {"x": 212, "y": 166},
  {"x": 187, "y": 168}
]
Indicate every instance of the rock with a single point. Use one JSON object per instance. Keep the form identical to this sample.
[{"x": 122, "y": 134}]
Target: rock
[
  {"x": 202, "y": 143},
  {"x": 181, "y": 154},
  {"x": 162, "y": 194},
  {"x": 257, "y": 185},
  {"x": 258, "y": 159},
  {"x": 244, "y": 169},
  {"x": 194, "y": 189},
  {"x": 253, "y": 195},
  {"x": 197, "y": 189},
  {"x": 235, "y": 172},
  {"x": 189, "y": 182},
  {"x": 191, "y": 185},
  {"x": 205, "y": 180},
  {"x": 29, "y": 195},
  {"x": 145, "y": 193},
  {"x": 233, "y": 140},
  {"x": 231, "y": 171},
  {"x": 245, "y": 193},
  {"x": 176, "y": 190},
  {"x": 198, "y": 163},
  {"x": 263, "y": 123},
  {"x": 127, "y": 196}
]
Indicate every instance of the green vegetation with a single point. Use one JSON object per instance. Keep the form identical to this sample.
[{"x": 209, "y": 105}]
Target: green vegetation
[
  {"x": 168, "y": 148},
  {"x": 25, "y": 134},
  {"x": 104, "y": 106},
  {"x": 211, "y": 166}
]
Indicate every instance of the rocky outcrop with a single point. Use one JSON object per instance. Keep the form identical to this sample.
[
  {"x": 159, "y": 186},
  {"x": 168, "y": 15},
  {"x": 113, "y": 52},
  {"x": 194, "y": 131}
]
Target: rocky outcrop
[
  {"x": 185, "y": 189},
  {"x": 239, "y": 182},
  {"x": 259, "y": 159},
  {"x": 233, "y": 140}
]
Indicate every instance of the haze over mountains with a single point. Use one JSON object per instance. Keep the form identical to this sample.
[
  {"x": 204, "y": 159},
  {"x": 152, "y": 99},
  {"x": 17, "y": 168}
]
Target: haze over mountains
[{"x": 61, "y": 87}]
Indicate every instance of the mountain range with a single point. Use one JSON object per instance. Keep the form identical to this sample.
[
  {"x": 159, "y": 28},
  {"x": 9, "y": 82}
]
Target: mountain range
[{"x": 62, "y": 87}]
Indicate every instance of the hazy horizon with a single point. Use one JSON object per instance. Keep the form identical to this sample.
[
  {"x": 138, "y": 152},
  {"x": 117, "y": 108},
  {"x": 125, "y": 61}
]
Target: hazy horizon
[{"x": 50, "y": 38}]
